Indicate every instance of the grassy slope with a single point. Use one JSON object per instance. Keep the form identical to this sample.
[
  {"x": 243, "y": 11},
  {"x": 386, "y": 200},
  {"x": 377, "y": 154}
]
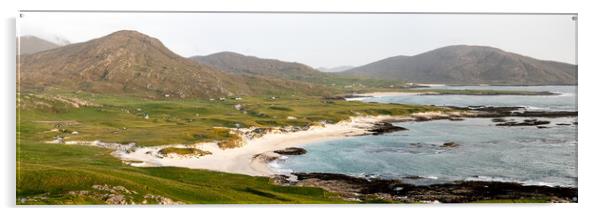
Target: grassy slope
[
  {"x": 52, "y": 170},
  {"x": 185, "y": 121}
]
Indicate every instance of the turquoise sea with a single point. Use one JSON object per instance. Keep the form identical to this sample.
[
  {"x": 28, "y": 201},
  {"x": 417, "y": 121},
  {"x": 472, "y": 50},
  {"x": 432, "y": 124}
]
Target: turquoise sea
[{"x": 525, "y": 154}]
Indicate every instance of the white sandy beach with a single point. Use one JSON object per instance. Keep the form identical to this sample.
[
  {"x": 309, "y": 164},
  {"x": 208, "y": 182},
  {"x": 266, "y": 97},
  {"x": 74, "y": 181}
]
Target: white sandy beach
[
  {"x": 360, "y": 97},
  {"x": 387, "y": 94},
  {"x": 242, "y": 160}
]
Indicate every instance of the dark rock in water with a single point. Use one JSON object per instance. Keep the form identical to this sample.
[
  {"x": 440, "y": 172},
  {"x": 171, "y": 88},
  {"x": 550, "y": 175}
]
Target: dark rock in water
[
  {"x": 575, "y": 123},
  {"x": 496, "y": 112},
  {"x": 385, "y": 127},
  {"x": 370, "y": 176},
  {"x": 495, "y": 109},
  {"x": 498, "y": 120},
  {"x": 413, "y": 177},
  {"x": 456, "y": 119},
  {"x": 345, "y": 183},
  {"x": 550, "y": 114},
  {"x": 542, "y": 127},
  {"x": 450, "y": 145},
  {"x": 354, "y": 188},
  {"x": 526, "y": 122},
  {"x": 563, "y": 124},
  {"x": 291, "y": 151}
]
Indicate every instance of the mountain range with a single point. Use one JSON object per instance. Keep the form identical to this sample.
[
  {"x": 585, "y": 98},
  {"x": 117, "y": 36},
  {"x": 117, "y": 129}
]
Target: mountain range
[
  {"x": 271, "y": 68},
  {"x": 469, "y": 65},
  {"x": 242, "y": 64},
  {"x": 131, "y": 63}
]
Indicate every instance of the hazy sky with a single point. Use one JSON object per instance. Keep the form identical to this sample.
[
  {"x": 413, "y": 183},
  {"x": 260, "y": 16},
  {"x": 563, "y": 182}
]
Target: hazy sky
[{"x": 319, "y": 40}]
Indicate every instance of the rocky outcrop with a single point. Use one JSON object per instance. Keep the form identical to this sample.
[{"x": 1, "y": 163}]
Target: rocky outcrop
[
  {"x": 364, "y": 189},
  {"x": 384, "y": 127},
  {"x": 266, "y": 157},
  {"x": 499, "y": 112},
  {"x": 257, "y": 132},
  {"x": 161, "y": 200},
  {"x": 450, "y": 145},
  {"x": 526, "y": 122},
  {"x": 103, "y": 194},
  {"x": 498, "y": 120},
  {"x": 291, "y": 151}
]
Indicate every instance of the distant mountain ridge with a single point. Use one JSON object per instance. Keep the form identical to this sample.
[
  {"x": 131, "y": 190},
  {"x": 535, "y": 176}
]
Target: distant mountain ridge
[
  {"x": 131, "y": 63},
  {"x": 243, "y": 64},
  {"x": 236, "y": 63},
  {"x": 462, "y": 64},
  {"x": 32, "y": 44}
]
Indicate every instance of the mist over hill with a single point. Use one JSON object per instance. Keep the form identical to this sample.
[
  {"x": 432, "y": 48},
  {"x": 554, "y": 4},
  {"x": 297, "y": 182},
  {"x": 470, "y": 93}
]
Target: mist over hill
[{"x": 32, "y": 44}]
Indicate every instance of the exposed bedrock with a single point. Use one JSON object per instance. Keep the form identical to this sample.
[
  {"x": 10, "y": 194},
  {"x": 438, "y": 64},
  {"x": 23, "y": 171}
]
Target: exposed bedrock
[{"x": 355, "y": 188}]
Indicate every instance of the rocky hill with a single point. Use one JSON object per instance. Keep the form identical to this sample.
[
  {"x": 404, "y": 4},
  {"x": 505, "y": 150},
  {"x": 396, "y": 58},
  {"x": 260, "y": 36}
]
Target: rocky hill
[
  {"x": 276, "y": 69},
  {"x": 131, "y": 63},
  {"x": 469, "y": 65},
  {"x": 243, "y": 64}
]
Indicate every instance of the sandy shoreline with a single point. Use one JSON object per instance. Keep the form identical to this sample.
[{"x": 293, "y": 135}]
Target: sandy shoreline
[
  {"x": 387, "y": 94},
  {"x": 253, "y": 157},
  {"x": 243, "y": 160},
  {"x": 258, "y": 146},
  {"x": 382, "y": 94}
]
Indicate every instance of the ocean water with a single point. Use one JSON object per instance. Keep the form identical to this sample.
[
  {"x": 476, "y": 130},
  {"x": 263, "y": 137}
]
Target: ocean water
[
  {"x": 566, "y": 100},
  {"x": 529, "y": 155}
]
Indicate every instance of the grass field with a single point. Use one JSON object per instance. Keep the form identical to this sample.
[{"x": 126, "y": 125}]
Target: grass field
[
  {"x": 160, "y": 122},
  {"x": 53, "y": 171},
  {"x": 72, "y": 174}
]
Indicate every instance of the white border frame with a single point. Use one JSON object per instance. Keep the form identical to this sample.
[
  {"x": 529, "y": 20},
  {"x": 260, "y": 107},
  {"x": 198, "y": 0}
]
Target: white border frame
[{"x": 589, "y": 104}]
